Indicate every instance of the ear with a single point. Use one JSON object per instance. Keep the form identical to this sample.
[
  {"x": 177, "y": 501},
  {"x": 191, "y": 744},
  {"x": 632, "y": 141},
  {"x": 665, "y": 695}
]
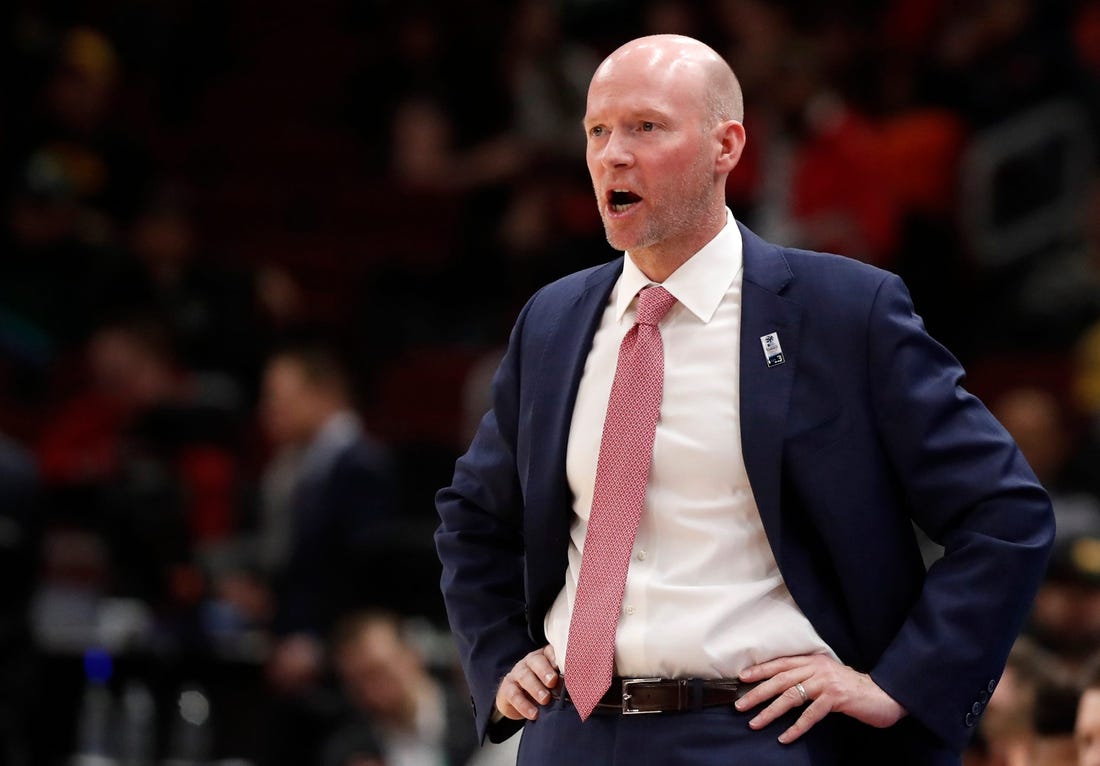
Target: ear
[{"x": 731, "y": 138}]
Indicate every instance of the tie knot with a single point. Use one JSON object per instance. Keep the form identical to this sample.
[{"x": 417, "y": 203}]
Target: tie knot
[{"x": 653, "y": 304}]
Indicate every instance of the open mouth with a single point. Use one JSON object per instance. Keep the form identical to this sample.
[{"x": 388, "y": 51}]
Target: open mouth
[{"x": 620, "y": 200}]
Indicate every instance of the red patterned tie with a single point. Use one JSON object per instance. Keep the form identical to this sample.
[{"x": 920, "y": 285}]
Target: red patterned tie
[{"x": 622, "y": 471}]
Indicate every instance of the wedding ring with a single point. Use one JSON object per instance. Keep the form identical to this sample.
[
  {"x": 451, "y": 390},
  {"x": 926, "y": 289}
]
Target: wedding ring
[{"x": 802, "y": 693}]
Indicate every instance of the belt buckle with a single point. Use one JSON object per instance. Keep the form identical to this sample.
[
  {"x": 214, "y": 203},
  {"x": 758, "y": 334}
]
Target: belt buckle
[{"x": 627, "y": 683}]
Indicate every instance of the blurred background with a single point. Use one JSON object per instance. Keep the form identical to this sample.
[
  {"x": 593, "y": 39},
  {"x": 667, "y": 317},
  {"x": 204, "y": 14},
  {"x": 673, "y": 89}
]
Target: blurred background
[{"x": 258, "y": 261}]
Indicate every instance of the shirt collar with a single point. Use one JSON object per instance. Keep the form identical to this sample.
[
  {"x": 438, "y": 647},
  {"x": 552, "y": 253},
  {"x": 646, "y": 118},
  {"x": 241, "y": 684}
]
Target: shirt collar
[
  {"x": 699, "y": 283},
  {"x": 338, "y": 433}
]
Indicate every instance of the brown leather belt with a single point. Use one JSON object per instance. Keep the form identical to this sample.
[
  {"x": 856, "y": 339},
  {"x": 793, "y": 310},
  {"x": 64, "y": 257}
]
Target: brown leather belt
[{"x": 631, "y": 696}]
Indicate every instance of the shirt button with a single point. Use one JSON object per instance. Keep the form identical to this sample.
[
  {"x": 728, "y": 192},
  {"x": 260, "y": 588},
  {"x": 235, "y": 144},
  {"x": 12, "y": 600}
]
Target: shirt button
[
  {"x": 629, "y": 609},
  {"x": 642, "y": 555}
]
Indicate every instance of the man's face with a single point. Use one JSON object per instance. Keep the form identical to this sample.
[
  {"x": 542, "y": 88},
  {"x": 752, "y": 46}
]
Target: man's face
[
  {"x": 651, "y": 152},
  {"x": 377, "y": 669},
  {"x": 1087, "y": 730},
  {"x": 289, "y": 404}
]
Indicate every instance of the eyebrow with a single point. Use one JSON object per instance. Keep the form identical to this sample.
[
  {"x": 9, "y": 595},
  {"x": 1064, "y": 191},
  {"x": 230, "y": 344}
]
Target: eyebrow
[{"x": 648, "y": 114}]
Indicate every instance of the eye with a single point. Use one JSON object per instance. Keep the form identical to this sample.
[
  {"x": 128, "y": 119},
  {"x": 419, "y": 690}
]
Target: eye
[
  {"x": 596, "y": 131},
  {"x": 648, "y": 127}
]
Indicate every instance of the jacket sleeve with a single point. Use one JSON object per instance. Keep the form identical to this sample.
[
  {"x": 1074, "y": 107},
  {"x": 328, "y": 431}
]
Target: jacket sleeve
[
  {"x": 971, "y": 490},
  {"x": 480, "y": 544}
]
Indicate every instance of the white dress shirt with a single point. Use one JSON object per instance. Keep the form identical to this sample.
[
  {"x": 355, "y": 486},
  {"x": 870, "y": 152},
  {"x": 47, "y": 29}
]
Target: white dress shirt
[{"x": 704, "y": 596}]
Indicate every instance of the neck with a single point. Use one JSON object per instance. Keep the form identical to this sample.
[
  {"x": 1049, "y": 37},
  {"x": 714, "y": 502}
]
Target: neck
[
  {"x": 659, "y": 261},
  {"x": 659, "y": 266}
]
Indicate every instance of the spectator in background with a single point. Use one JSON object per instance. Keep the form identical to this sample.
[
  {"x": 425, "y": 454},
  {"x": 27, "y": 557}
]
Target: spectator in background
[
  {"x": 341, "y": 494},
  {"x": 839, "y": 202},
  {"x": 1065, "y": 618},
  {"x": 824, "y": 186},
  {"x": 1037, "y": 421},
  {"x": 1087, "y": 727},
  {"x": 327, "y": 503},
  {"x": 145, "y": 453},
  {"x": 394, "y": 699},
  {"x": 1055, "y": 709},
  {"x": 48, "y": 232},
  {"x": 69, "y": 176},
  {"x": 1006, "y": 733},
  {"x": 75, "y": 120},
  {"x": 209, "y": 308},
  {"x": 430, "y": 146}
]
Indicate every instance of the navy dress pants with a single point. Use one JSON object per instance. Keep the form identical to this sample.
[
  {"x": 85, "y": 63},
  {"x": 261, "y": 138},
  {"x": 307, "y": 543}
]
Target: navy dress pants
[{"x": 718, "y": 736}]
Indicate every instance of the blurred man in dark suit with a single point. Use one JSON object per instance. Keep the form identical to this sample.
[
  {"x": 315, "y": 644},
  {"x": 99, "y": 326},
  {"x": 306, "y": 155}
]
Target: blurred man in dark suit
[{"x": 341, "y": 495}]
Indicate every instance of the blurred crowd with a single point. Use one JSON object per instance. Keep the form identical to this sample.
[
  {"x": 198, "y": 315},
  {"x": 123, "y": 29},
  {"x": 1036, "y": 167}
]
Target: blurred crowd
[{"x": 257, "y": 263}]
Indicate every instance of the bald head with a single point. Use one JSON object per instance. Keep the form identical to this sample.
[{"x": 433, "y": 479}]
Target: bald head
[
  {"x": 692, "y": 64},
  {"x": 663, "y": 126}
]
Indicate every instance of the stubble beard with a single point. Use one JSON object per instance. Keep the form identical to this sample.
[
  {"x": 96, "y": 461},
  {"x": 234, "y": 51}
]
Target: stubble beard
[{"x": 683, "y": 211}]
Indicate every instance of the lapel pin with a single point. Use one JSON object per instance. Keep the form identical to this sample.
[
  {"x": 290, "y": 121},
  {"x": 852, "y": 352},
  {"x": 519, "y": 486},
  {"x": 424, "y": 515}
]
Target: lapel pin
[{"x": 773, "y": 352}]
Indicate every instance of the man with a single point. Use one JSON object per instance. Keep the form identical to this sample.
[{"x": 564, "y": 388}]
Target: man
[
  {"x": 1006, "y": 735},
  {"x": 765, "y": 445},
  {"x": 1065, "y": 617},
  {"x": 1087, "y": 728},
  {"x": 394, "y": 698},
  {"x": 1053, "y": 722},
  {"x": 341, "y": 496}
]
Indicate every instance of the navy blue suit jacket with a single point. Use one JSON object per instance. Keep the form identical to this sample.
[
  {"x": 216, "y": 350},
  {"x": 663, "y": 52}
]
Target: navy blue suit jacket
[
  {"x": 862, "y": 430},
  {"x": 340, "y": 517}
]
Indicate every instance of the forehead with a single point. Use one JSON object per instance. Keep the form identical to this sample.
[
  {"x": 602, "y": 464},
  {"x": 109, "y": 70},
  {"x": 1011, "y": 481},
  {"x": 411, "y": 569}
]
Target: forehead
[{"x": 646, "y": 83}]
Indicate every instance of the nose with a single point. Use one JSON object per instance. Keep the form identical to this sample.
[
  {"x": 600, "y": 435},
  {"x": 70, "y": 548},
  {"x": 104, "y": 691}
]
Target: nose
[{"x": 616, "y": 151}]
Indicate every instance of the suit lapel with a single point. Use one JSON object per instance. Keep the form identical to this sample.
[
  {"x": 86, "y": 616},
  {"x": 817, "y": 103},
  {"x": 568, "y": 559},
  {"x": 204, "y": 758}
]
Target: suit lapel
[
  {"x": 560, "y": 369},
  {"x": 566, "y": 351},
  {"x": 766, "y": 391}
]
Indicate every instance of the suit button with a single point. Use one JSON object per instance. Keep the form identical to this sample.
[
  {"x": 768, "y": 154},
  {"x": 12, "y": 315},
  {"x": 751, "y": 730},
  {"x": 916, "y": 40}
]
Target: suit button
[
  {"x": 969, "y": 719},
  {"x": 977, "y": 709},
  {"x": 984, "y": 696},
  {"x": 992, "y": 685}
]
